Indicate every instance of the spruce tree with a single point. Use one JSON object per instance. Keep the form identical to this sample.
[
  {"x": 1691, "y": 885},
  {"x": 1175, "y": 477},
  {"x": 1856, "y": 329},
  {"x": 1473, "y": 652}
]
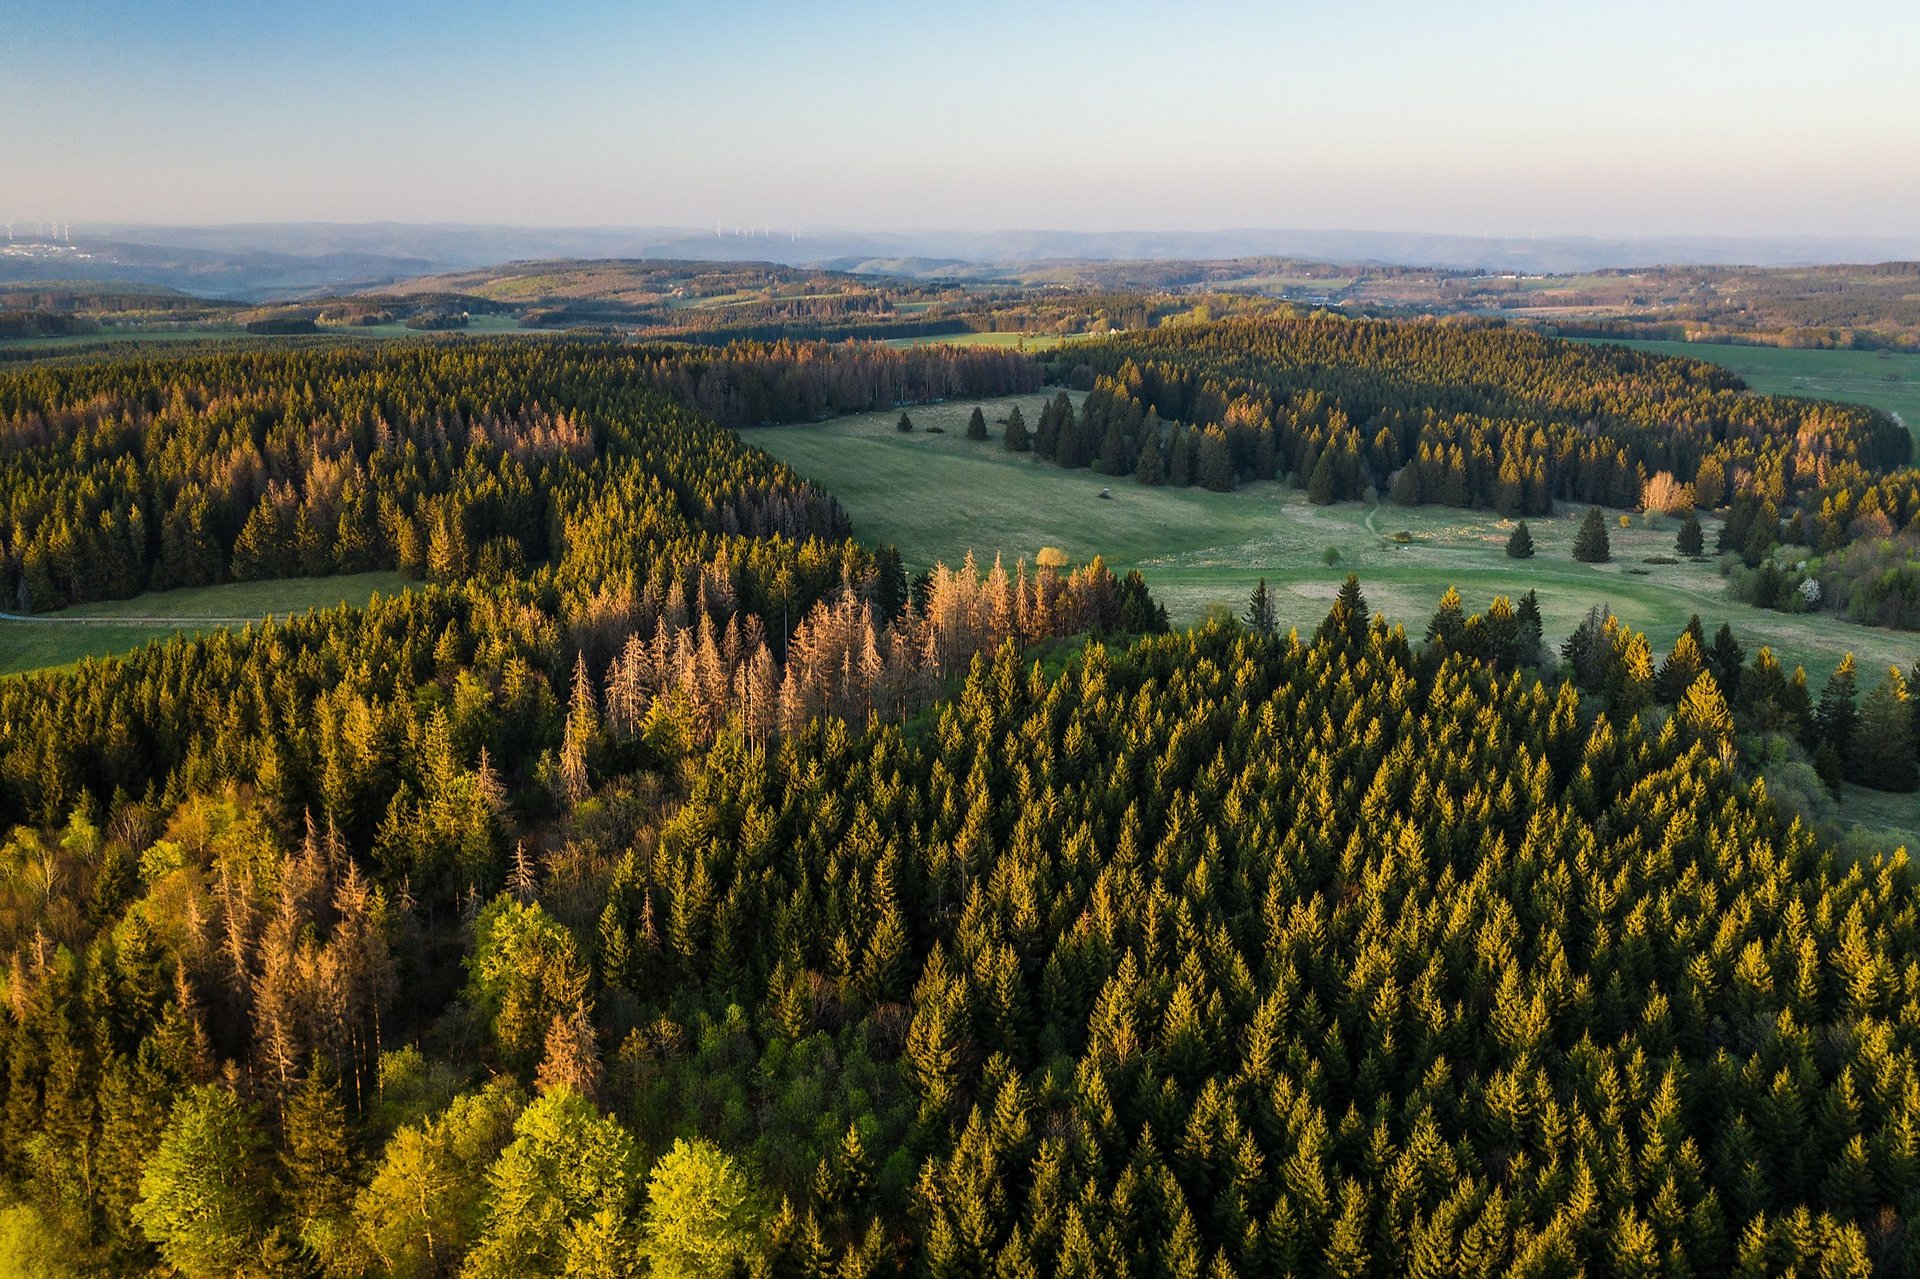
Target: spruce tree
[
  {"x": 1320, "y": 485},
  {"x": 1839, "y": 711},
  {"x": 905, "y": 423},
  {"x": 1260, "y": 617},
  {"x": 1449, "y": 621},
  {"x": 1347, "y": 621},
  {"x": 1590, "y": 544},
  {"x": 1685, "y": 663},
  {"x": 1883, "y": 749},
  {"x": 1520, "y": 545},
  {"x": 1726, "y": 659},
  {"x": 1150, "y": 466},
  {"x": 1016, "y": 439},
  {"x": 977, "y": 425},
  {"x": 1532, "y": 629},
  {"x": 1216, "y": 461},
  {"x": 1180, "y": 458},
  {"x": 1690, "y": 541},
  {"x": 317, "y": 1159}
]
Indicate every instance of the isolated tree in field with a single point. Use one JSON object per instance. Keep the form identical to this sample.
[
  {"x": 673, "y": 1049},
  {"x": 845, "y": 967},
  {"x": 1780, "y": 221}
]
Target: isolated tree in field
[
  {"x": 1690, "y": 541},
  {"x": 1883, "y": 748},
  {"x": 905, "y": 423},
  {"x": 977, "y": 425},
  {"x": 200, "y": 1199},
  {"x": 1590, "y": 544},
  {"x": 1260, "y": 617},
  {"x": 1520, "y": 544},
  {"x": 1016, "y": 439},
  {"x": 1046, "y": 435}
]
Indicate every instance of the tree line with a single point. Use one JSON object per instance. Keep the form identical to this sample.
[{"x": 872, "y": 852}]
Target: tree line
[
  {"x": 1467, "y": 414},
  {"x": 489, "y": 459}
]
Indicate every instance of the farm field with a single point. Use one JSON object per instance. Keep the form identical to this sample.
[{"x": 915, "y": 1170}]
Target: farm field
[
  {"x": 119, "y": 626},
  {"x": 938, "y": 496},
  {"x": 1885, "y": 380}
]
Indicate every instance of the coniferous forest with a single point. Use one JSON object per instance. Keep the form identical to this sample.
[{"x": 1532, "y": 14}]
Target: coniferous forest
[{"x": 670, "y": 885}]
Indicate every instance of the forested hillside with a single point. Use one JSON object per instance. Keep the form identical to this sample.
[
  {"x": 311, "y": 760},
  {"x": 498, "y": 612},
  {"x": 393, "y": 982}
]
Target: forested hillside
[
  {"x": 1224, "y": 954},
  {"x": 441, "y": 460},
  {"x": 669, "y": 887},
  {"x": 1462, "y": 414}
]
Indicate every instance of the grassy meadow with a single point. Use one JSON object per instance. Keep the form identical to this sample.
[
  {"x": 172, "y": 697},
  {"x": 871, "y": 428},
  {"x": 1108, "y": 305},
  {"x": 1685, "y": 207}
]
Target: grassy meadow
[
  {"x": 1885, "y": 380},
  {"x": 936, "y": 496},
  {"x": 1006, "y": 341},
  {"x": 120, "y": 626}
]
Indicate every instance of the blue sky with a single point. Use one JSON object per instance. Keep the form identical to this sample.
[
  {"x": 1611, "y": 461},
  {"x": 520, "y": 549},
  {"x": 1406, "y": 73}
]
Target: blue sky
[{"x": 1617, "y": 118}]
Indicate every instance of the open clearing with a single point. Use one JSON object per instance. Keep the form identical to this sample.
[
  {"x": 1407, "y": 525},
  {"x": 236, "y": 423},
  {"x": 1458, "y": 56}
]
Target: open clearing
[
  {"x": 120, "y": 626},
  {"x": 1885, "y": 380},
  {"x": 938, "y": 496}
]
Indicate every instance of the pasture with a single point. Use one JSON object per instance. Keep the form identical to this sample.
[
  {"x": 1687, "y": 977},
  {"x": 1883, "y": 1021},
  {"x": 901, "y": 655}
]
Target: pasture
[
  {"x": 1885, "y": 380},
  {"x": 113, "y": 627},
  {"x": 937, "y": 496}
]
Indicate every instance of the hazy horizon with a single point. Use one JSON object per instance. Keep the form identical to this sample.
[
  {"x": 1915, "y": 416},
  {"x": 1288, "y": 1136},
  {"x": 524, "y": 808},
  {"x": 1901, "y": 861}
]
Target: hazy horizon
[{"x": 1504, "y": 120}]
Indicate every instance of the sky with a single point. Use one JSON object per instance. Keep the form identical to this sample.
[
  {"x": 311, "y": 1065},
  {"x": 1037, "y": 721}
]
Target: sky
[{"x": 1620, "y": 118}]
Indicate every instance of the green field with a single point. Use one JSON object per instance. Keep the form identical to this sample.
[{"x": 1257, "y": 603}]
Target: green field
[
  {"x": 1009, "y": 341},
  {"x": 120, "y": 626},
  {"x": 937, "y": 496},
  {"x": 1895, "y": 817},
  {"x": 1883, "y": 379}
]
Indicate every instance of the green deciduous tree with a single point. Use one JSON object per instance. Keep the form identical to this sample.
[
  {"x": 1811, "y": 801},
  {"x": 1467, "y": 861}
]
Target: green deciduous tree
[
  {"x": 703, "y": 1215},
  {"x": 524, "y": 971},
  {"x": 566, "y": 1167},
  {"x": 202, "y": 1198},
  {"x": 423, "y": 1207}
]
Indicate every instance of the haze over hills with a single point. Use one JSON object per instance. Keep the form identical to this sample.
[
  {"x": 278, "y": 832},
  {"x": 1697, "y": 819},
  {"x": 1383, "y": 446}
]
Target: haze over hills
[{"x": 263, "y": 261}]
